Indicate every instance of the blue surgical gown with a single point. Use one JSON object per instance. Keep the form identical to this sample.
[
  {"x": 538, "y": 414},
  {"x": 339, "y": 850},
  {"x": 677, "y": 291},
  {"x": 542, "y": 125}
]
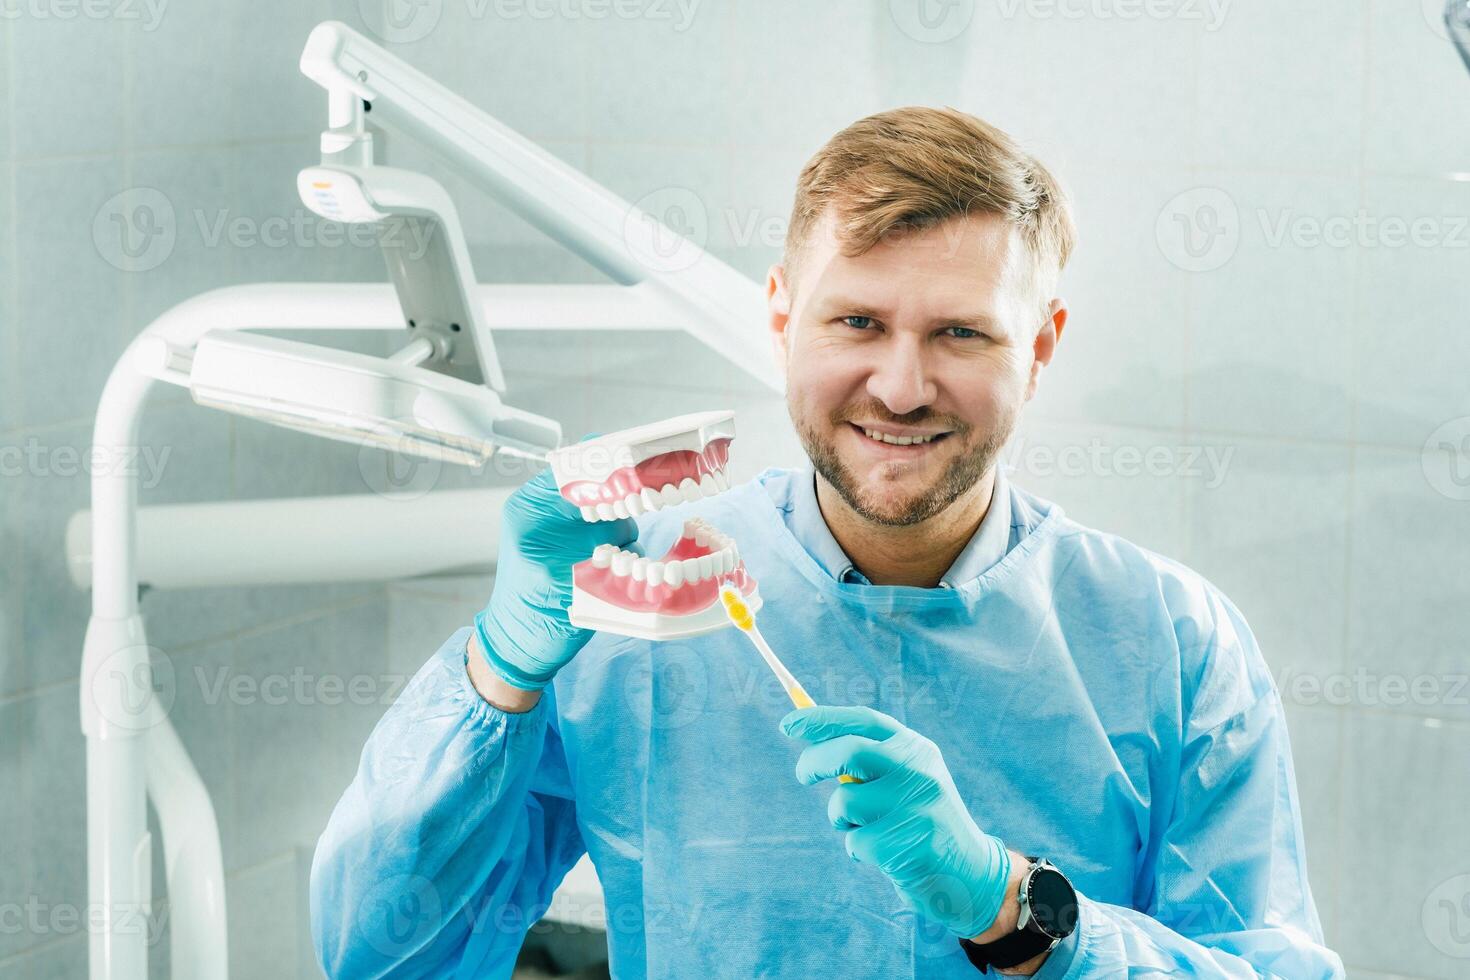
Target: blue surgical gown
[{"x": 1097, "y": 705}]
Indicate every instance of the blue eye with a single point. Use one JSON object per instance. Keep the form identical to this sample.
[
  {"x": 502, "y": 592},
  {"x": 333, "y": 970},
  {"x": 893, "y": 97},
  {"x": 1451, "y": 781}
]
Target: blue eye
[
  {"x": 863, "y": 322},
  {"x": 963, "y": 333}
]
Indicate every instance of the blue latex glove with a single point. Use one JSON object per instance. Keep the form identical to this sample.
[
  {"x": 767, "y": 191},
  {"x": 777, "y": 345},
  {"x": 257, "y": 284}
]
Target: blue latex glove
[
  {"x": 524, "y": 630},
  {"x": 905, "y": 816}
]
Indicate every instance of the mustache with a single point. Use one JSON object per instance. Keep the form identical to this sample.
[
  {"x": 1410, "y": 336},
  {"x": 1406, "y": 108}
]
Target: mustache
[{"x": 873, "y": 410}]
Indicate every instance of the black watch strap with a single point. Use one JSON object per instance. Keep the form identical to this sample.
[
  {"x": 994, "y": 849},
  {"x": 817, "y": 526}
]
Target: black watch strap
[{"x": 1007, "y": 951}]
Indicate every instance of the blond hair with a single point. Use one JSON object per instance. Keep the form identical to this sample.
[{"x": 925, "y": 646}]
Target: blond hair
[{"x": 913, "y": 168}]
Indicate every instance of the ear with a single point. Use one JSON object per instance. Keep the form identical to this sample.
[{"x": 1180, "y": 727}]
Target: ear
[
  {"x": 778, "y": 307},
  {"x": 1047, "y": 339}
]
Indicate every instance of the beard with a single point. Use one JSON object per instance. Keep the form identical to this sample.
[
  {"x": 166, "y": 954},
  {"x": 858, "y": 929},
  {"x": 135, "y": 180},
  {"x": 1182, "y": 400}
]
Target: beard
[{"x": 960, "y": 474}]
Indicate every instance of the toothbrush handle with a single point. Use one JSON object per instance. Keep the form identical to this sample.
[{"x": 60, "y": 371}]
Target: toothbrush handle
[{"x": 801, "y": 699}]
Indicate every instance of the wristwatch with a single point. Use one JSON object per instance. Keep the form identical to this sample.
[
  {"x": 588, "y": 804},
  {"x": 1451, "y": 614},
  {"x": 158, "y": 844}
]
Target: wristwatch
[{"x": 1048, "y": 915}]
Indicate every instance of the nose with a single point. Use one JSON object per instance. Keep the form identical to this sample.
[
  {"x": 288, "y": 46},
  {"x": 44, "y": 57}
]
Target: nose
[{"x": 901, "y": 377}]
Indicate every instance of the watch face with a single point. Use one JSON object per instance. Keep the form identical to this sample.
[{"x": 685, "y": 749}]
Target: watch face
[{"x": 1053, "y": 903}]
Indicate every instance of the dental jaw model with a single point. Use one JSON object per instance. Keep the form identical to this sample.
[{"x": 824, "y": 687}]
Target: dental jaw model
[{"x": 637, "y": 471}]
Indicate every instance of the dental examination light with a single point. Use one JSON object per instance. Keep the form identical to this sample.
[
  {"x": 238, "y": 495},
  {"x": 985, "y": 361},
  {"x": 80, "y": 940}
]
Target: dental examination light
[
  {"x": 1457, "y": 20},
  {"x": 439, "y": 396}
]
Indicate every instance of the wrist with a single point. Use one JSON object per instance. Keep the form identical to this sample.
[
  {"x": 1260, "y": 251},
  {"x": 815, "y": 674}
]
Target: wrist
[
  {"x": 490, "y": 686},
  {"x": 1007, "y": 918}
]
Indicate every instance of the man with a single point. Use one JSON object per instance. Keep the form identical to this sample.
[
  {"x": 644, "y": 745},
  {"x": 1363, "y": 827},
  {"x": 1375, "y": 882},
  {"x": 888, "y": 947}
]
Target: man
[{"x": 1067, "y": 756}]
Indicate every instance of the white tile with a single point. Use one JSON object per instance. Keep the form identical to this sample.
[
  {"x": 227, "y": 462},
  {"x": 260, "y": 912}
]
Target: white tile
[
  {"x": 419, "y": 624},
  {"x": 1269, "y": 331},
  {"x": 71, "y": 299},
  {"x": 223, "y": 73},
  {"x": 65, "y": 959},
  {"x": 266, "y": 921},
  {"x": 685, "y": 188},
  {"x": 53, "y": 613},
  {"x": 659, "y": 76},
  {"x": 1121, "y": 481},
  {"x": 313, "y": 692},
  {"x": 1266, "y": 98},
  {"x": 1272, "y": 535},
  {"x": 66, "y": 72},
  {"x": 1121, "y": 91},
  {"x": 1121, "y": 360},
  {"x": 1411, "y": 342},
  {"x": 784, "y": 90},
  {"x": 17, "y": 816},
  {"x": 1417, "y": 120},
  {"x": 56, "y": 785},
  {"x": 1406, "y": 867},
  {"x": 1407, "y": 611}
]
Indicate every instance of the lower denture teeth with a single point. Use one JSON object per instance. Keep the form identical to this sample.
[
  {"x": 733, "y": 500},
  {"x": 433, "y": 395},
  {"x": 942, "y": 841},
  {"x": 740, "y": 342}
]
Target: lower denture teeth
[
  {"x": 706, "y": 566},
  {"x": 602, "y": 557},
  {"x": 622, "y": 562},
  {"x": 654, "y": 572},
  {"x": 674, "y": 573},
  {"x": 639, "y": 569}
]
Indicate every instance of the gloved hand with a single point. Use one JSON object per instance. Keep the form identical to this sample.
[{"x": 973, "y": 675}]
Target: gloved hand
[
  {"x": 524, "y": 630},
  {"x": 905, "y": 816}
]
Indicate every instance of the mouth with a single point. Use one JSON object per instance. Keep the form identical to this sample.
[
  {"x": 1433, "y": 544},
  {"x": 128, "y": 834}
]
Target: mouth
[
  {"x": 897, "y": 441},
  {"x": 641, "y": 471}
]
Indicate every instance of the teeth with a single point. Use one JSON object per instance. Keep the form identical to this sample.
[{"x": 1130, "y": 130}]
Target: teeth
[
  {"x": 671, "y": 495},
  {"x": 674, "y": 573},
  {"x": 655, "y": 572},
  {"x": 722, "y": 481},
  {"x": 603, "y": 556},
  {"x": 589, "y": 514},
  {"x": 691, "y": 569},
  {"x": 701, "y": 535},
  {"x": 620, "y": 509},
  {"x": 605, "y": 512},
  {"x": 651, "y": 499},
  {"x": 689, "y": 490},
  {"x": 622, "y": 562},
  {"x": 707, "y": 486},
  {"x": 706, "y": 565},
  {"x": 633, "y": 504},
  {"x": 898, "y": 440},
  {"x": 639, "y": 569}
]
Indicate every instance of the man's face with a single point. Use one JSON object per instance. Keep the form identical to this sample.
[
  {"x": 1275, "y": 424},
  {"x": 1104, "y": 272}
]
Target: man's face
[{"x": 906, "y": 366}]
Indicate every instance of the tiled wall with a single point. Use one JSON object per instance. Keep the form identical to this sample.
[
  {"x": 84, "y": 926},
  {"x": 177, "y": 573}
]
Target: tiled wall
[{"x": 1259, "y": 403}]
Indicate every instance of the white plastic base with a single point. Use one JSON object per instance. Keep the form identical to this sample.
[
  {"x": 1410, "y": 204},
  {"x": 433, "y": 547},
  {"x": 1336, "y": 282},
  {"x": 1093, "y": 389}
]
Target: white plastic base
[{"x": 590, "y": 612}]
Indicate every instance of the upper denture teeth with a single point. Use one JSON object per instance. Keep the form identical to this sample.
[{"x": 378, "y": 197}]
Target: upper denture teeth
[
  {"x": 722, "y": 481},
  {"x": 589, "y": 513},
  {"x": 671, "y": 495},
  {"x": 634, "y": 504},
  {"x": 707, "y": 485},
  {"x": 620, "y": 509},
  {"x": 605, "y": 512},
  {"x": 689, "y": 490},
  {"x": 651, "y": 499}
]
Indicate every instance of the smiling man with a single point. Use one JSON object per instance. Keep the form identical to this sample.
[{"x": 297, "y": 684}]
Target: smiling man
[{"x": 1063, "y": 754}]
